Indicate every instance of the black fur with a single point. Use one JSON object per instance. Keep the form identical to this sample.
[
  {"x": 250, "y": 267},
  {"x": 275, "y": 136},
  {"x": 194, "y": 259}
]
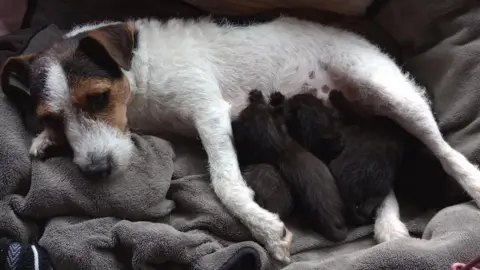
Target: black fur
[
  {"x": 258, "y": 138},
  {"x": 368, "y": 165},
  {"x": 261, "y": 136},
  {"x": 271, "y": 191},
  {"x": 423, "y": 181},
  {"x": 365, "y": 152},
  {"x": 314, "y": 126}
]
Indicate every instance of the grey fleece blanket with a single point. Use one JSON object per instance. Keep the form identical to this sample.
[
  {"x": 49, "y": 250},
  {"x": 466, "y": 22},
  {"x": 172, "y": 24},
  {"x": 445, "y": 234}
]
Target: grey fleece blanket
[{"x": 163, "y": 213}]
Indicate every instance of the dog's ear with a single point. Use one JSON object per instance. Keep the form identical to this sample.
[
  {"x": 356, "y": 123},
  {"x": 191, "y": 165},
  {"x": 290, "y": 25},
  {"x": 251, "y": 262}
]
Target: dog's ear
[
  {"x": 14, "y": 78},
  {"x": 117, "y": 40}
]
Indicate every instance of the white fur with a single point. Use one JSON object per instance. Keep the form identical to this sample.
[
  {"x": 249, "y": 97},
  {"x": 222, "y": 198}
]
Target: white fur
[
  {"x": 40, "y": 144},
  {"x": 57, "y": 92},
  {"x": 193, "y": 77},
  {"x": 36, "y": 261},
  {"x": 87, "y": 27},
  {"x": 91, "y": 139},
  {"x": 388, "y": 225}
]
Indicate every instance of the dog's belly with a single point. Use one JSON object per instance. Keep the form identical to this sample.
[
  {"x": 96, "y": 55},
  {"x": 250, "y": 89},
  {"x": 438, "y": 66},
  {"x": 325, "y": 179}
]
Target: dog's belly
[
  {"x": 299, "y": 80},
  {"x": 156, "y": 118}
]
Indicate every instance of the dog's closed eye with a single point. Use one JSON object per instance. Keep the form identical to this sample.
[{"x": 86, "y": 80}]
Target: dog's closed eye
[{"x": 97, "y": 102}]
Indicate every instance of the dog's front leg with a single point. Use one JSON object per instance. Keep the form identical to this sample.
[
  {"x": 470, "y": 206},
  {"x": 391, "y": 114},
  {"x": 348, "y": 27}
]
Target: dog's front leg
[
  {"x": 214, "y": 127},
  {"x": 41, "y": 143},
  {"x": 50, "y": 142},
  {"x": 388, "y": 225}
]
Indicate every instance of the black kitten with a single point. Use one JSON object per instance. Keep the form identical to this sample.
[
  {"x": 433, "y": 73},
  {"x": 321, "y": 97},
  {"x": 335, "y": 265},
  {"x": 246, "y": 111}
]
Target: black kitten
[
  {"x": 314, "y": 126},
  {"x": 271, "y": 191},
  {"x": 261, "y": 137},
  {"x": 369, "y": 163},
  {"x": 363, "y": 152},
  {"x": 422, "y": 180}
]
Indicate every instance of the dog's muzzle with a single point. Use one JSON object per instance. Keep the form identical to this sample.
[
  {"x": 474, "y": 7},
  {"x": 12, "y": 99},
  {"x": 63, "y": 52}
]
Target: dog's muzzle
[{"x": 97, "y": 167}]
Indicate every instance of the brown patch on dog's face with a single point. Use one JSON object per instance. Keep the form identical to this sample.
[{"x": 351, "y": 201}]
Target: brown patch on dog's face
[{"x": 102, "y": 99}]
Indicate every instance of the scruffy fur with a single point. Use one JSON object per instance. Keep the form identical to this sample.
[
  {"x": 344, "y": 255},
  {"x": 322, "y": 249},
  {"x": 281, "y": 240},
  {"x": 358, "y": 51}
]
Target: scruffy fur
[
  {"x": 260, "y": 135},
  {"x": 192, "y": 77}
]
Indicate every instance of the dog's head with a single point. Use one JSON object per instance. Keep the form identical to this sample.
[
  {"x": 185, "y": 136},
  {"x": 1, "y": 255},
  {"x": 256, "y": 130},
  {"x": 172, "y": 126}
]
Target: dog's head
[{"x": 79, "y": 92}]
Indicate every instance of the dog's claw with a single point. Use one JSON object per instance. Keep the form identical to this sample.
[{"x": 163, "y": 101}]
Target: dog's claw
[{"x": 280, "y": 249}]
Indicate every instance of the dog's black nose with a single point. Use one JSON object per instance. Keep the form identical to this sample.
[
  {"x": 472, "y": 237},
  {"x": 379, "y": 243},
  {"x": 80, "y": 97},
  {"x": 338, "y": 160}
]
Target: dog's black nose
[{"x": 99, "y": 167}]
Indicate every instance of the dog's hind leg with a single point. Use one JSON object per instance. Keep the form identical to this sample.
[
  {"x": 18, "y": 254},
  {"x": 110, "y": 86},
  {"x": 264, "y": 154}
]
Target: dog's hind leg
[
  {"x": 214, "y": 127},
  {"x": 382, "y": 86},
  {"x": 388, "y": 225}
]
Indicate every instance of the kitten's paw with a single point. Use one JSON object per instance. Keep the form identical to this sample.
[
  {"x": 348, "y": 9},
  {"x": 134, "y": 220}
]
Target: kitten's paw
[
  {"x": 256, "y": 96},
  {"x": 40, "y": 145},
  {"x": 277, "y": 99},
  {"x": 388, "y": 229}
]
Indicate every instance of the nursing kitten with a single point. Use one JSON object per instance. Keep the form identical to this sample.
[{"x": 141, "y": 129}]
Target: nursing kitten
[
  {"x": 364, "y": 152},
  {"x": 260, "y": 136},
  {"x": 271, "y": 191}
]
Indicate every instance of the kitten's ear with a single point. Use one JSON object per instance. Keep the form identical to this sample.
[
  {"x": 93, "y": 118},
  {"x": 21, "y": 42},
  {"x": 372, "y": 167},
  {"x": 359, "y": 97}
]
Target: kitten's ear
[
  {"x": 15, "y": 81},
  {"x": 115, "y": 41}
]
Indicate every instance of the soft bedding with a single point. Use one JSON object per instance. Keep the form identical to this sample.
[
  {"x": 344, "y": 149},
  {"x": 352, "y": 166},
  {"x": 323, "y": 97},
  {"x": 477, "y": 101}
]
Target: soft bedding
[{"x": 163, "y": 214}]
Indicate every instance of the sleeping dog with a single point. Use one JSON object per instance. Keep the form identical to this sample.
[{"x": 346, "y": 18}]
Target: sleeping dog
[
  {"x": 260, "y": 136},
  {"x": 192, "y": 77}
]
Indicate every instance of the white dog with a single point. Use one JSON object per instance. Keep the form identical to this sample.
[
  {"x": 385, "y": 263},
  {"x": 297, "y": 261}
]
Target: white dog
[{"x": 193, "y": 77}]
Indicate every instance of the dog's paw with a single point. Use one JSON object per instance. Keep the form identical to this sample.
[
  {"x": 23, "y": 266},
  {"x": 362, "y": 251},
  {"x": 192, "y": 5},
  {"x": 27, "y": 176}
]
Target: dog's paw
[
  {"x": 388, "y": 229},
  {"x": 39, "y": 146},
  {"x": 276, "y": 238},
  {"x": 280, "y": 248}
]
